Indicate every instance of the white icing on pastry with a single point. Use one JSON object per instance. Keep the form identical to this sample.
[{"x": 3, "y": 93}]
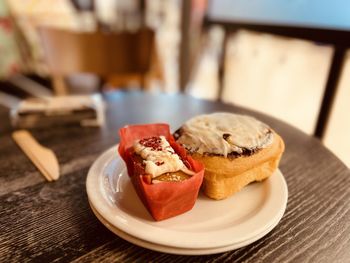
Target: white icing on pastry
[
  {"x": 222, "y": 133},
  {"x": 159, "y": 157}
]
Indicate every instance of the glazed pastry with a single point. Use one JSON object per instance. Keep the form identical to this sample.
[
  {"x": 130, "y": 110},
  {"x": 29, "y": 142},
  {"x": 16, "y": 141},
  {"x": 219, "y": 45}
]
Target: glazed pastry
[
  {"x": 160, "y": 160},
  {"x": 235, "y": 150},
  {"x": 164, "y": 177}
]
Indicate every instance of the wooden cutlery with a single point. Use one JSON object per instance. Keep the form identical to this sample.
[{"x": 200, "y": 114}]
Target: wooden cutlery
[{"x": 43, "y": 158}]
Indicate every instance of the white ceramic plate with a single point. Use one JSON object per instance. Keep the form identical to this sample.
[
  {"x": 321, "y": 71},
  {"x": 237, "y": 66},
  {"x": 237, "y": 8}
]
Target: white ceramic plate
[
  {"x": 176, "y": 250},
  {"x": 210, "y": 224}
]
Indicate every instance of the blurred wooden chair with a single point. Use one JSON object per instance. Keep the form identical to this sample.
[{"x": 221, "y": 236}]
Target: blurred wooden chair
[
  {"x": 318, "y": 32},
  {"x": 115, "y": 57}
]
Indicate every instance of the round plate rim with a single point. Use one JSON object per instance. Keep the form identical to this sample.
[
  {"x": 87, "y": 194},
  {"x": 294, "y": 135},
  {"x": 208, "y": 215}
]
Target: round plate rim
[
  {"x": 153, "y": 234},
  {"x": 177, "y": 250}
]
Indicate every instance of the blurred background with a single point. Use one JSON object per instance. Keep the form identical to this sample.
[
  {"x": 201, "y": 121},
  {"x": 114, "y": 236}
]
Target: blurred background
[{"x": 288, "y": 59}]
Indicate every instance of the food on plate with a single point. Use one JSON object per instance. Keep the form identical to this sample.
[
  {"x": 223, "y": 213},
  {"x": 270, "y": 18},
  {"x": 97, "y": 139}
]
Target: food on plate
[
  {"x": 160, "y": 160},
  {"x": 165, "y": 178},
  {"x": 235, "y": 150}
]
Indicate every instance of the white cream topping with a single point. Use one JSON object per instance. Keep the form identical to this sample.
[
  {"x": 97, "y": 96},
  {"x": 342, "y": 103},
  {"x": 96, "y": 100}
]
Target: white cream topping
[
  {"x": 223, "y": 133},
  {"x": 159, "y": 157}
]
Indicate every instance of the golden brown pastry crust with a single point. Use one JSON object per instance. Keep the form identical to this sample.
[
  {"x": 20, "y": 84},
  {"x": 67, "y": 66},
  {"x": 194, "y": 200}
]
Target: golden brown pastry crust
[
  {"x": 226, "y": 176},
  {"x": 172, "y": 177}
]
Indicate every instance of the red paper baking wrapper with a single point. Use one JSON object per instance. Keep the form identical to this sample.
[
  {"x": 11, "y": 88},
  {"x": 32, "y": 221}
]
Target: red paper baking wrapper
[{"x": 165, "y": 199}]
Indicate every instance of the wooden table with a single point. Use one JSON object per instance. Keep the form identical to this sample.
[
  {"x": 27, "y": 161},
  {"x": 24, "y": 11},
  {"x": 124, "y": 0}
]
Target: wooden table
[{"x": 46, "y": 222}]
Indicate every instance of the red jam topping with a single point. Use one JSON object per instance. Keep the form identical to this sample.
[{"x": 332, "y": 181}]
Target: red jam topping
[
  {"x": 153, "y": 142},
  {"x": 159, "y": 163}
]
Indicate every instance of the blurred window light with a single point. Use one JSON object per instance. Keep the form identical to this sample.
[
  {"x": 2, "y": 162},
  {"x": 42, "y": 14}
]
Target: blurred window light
[
  {"x": 338, "y": 130},
  {"x": 311, "y": 13},
  {"x": 279, "y": 76}
]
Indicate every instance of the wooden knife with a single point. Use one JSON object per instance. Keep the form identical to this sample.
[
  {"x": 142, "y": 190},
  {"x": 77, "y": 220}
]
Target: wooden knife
[{"x": 43, "y": 158}]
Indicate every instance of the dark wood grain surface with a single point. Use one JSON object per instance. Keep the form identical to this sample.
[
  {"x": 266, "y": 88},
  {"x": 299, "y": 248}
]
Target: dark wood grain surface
[{"x": 52, "y": 222}]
